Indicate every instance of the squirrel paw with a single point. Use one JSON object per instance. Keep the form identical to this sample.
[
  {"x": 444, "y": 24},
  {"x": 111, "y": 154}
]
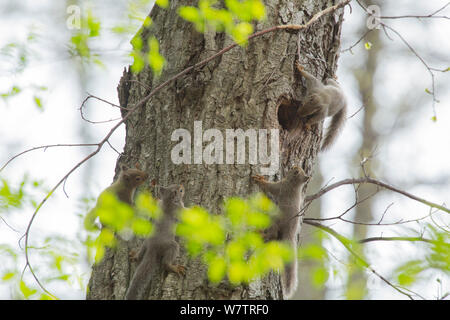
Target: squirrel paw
[
  {"x": 259, "y": 178},
  {"x": 299, "y": 66},
  {"x": 308, "y": 126},
  {"x": 178, "y": 269},
  {"x": 133, "y": 255}
]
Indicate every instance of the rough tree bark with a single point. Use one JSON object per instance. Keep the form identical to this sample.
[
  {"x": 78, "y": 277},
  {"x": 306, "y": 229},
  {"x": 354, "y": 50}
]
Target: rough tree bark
[{"x": 253, "y": 87}]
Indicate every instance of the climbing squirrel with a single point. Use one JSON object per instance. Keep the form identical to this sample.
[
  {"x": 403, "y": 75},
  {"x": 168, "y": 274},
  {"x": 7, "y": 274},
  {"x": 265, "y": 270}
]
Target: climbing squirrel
[
  {"x": 323, "y": 100},
  {"x": 123, "y": 188},
  {"x": 161, "y": 249},
  {"x": 286, "y": 227}
]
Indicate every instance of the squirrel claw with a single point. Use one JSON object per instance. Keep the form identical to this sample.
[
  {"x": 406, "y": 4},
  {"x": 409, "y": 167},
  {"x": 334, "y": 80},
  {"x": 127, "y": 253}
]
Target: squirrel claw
[
  {"x": 178, "y": 269},
  {"x": 299, "y": 66},
  {"x": 133, "y": 255},
  {"x": 258, "y": 178},
  {"x": 181, "y": 270},
  {"x": 308, "y": 126}
]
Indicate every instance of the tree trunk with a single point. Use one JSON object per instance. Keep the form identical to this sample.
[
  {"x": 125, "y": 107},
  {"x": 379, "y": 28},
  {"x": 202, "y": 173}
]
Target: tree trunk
[
  {"x": 357, "y": 280},
  {"x": 253, "y": 87}
]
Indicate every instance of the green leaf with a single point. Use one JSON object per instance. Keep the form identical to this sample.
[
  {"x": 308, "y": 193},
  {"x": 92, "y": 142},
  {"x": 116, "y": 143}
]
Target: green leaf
[
  {"x": 236, "y": 210},
  {"x": 405, "y": 279},
  {"x": 241, "y": 32},
  {"x": 93, "y": 25},
  {"x": 319, "y": 277},
  {"x": 235, "y": 250},
  {"x": 142, "y": 227},
  {"x": 25, "y": 290},
  {"x": 147, "y": 22},
  {"x": 199, "y": 228},
  {"x": 258, "y": 220},
  {"x": 162, "y": 3},
  {"x": 368, "y": 45},
  {"x": 191, "y": 14},
  {"x": 408, "y": 272},
  {"x": 155, "y": 59},
  {"x": 107, "y": 238},
  {"x": 217, "y": 269},
  {"x": 8, "y": 275},
  {"x": 137, "y": 43},
  {"x": 147, "y": 205},
  {"x": 262, "y": 203},
  {"x": 45, "y": 296},
  {"x": 313, "y": 252},
  {"x": 258, "y": 10},
  {"x": 38, "y": 102},
  {"x": 238, "y": 272},
  {"x": 138, "y": 62},
  {"x": 15, "y": 90}
]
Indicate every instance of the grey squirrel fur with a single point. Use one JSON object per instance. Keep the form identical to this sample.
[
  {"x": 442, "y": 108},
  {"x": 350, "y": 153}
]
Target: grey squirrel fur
[
  {"x": 323, "y": 100},
  {"x": 123, "y": 188},
  {"x": 288, "y": 196},
  {"x": 161, "y": 249}
]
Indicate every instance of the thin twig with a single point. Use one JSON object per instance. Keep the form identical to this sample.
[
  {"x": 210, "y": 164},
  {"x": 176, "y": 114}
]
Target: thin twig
[
  {"x": 83, "y": 105},
  {"x": 411, "y": 239},
  {"x": 429, "y": 69},
  {"x": 431, "y": 15},
  {"x": 46, "y": 147},
  {"x": 8, "y": 225},
  {"x": 357, "y": 42}
]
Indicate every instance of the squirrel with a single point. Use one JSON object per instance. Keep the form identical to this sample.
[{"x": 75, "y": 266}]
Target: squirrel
[
  {"x": 161, "y": 249},
  {"x": 123, "y": 188},
  {"x": 323, "y": 100},
  {"x": 286, "y": 227}
]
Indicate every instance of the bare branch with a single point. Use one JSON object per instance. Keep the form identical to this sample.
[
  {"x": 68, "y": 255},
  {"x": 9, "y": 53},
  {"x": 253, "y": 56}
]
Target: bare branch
[
  {"x": 357, "y": 42},
  {"x": 411, "y": 239},
  {"x": 380, "y": 184},
  {"x": 431, "y": 15},
  {"x": 356, "y": 112},
  {"x": 46, "y": 147},
  {"x": 83, "y": 105},
  {"x": 8, "y": 225}
]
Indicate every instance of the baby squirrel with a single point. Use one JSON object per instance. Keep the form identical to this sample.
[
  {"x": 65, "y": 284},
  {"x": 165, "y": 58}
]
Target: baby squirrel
[
  {"x": 123, "y": 188},
  {"x": 161, "y": 249},
  {"x": 323, "y": 101},
  {"x": 287, "y": 195}
]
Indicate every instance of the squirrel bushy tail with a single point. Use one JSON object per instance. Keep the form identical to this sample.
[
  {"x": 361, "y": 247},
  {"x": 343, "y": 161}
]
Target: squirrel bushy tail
[
  {"x": 289, "y": 278},
  {"x": 336, "y": 124},
  {"x": 141, "y": 281}
]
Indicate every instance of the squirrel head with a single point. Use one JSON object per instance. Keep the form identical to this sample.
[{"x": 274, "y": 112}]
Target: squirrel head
[
  {"x": 297, "y": 174},
  {"x": 133, "y": 178},
  {"x": 172, "y": 194}
]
